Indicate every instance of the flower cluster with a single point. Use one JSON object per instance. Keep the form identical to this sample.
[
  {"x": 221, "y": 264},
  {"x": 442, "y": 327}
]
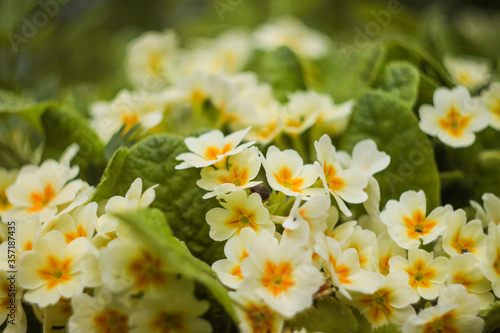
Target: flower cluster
[
  {"x": 77, "y": 265},
  {"x": 278, "y": 264}
]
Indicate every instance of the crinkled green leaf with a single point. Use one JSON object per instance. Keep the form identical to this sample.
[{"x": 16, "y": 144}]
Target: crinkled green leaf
[
  {"x": 62, "y": 128},
  {"x": 394, "y": 128},
  {"x": 283, "y": 71},
  {"x": 152, "y": 227},
  {"x": 178, "y": 196},
  {"x": 491, "y": 316},
  {"x": 328, "y": 316},
  {"x": 401, "y": 79}
]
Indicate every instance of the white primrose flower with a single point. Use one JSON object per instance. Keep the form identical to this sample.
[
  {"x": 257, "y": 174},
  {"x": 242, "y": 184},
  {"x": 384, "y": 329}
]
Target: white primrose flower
[
  {"x": 345, "y": 185},
  {"x": 238, "y": 174},
  {"x": 79, "y": 223},
  {"x": 455, "y": 312},
  {"x": 454, "y": 118},
  {"x": 102, "y": 313},
  {"x": 127, "y": 266},
  {"x": 363, "y": 241},
  {"x": 127, "y": 110},
  {"x": 135, "y": 198},
  {"x": 178, "y": 314},
  {"x": 286, "y": 172},
  {"x": 42, "y": 189},
  {"x": 255, "y": 314},
  {"x": 468, "y": 72},
  {"x": 11, "y": 309},
  {"x": 53, "y": 269},
  {"x": 152, "y": 59},
  {"x": 491, "y": 211},
  {"x": 491, "y": 265},
  {"x": 239, "y": 211},
  {"x": 407, "y": 222},
  {"x": 227, "y": 53},
  {"x": 288, "y": 31},
  {"x": 344, "y": 269},
  {"x": 281, "y": 274},
  {"x": 462, "y": 236},
  {"x": 211, "y": 148},
  {"x": 334, "y": 118},
  {"x": 305, "y": 221},
  {"x": 369, "y": 160},
  {"x": 427, "y": 274},
  {"x": 390, "y": 303},
  {"x": 384, "y": 249},
  {"x": 463, "y": 269},
  {"x": 7, "y": 178},
  {"x": 491, "y": 98},
  {"x": 302, "y": 111},
  {"x": 229, "y": 270}
]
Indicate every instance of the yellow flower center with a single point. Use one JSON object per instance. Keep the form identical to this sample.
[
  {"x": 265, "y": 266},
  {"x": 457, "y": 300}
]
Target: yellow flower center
[
  {"x": 111, "y": 321},
  {"x": 260, "y": 318},
  {"x": 168, "y": 322},
  {"x": 445, "y": 324},
  {"x": 130, "y": 120},
  {"x": 236, "y": 175},
  {"x": 55, "y": 271},
  {"x": 420, "y": 275},
  {"x": 40, "y": 200},
  {"x": 333, "y": 182},
  {"x": 284, "y": 178},
  {"x": 154, "y": 62},
  {"x": 212, "y": 152},
  {"x": 417, "y": 225},
  {"x": 278, "y": 278},
  {"x": 147, "y": 271},
  {"x": 454, "y": 122}
]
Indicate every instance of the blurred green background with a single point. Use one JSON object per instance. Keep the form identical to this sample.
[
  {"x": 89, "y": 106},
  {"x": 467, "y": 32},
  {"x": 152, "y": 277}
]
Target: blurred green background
[{"x": 73, "y": 50}]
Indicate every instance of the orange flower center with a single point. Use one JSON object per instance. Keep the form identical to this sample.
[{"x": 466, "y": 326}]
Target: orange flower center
[
  {"x": 284, "y": 178},
  {"x": 168, "y": 322},
  {"x": 212, "y": 152},
  {"x": 111, "y": 321},
  {"x": 236, "y": 175},
  {"x": 420, "y": 275},
  {"x": 445, "y": 324},
  {"x": 80, "y": 232},
  {"x": 417, "y": 225},
  {"x": 377, "y": 305},
  {"x": 241, "y": 218},
  {"x": 332, "y": 182},
  {"x": 129, "y": 120},
  {"x": 260, "y": 318},
  {"x": 147, "y": 271},
  {"x": 454, "y": 123},
  {"x": 278, "y": 278},
  {"x": 55, "y": 271},
  {"x": 40, "y": 200}
]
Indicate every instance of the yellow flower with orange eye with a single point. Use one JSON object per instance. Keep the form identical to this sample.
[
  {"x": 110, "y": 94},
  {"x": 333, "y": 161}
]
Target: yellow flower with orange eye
[
  {"x": 427, "y": 274},
  {"x": 407, "y": 222},
  {"x": 464, "y": 237},
  {"x": 454, "y": 118}
]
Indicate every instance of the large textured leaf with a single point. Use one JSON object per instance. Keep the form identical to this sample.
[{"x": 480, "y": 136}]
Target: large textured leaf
[
  {"x": 64, "y": 127},
  {"x": 152, "y": 227},
  {"x": 178, "y": 196},
  {"x": 394, "y": 128},
  {"x": 491, "y": 317},
  {"x": 401, "y": 79},
  {"x": 282, "y": 70},
  {"x": 328, "y": 316}
]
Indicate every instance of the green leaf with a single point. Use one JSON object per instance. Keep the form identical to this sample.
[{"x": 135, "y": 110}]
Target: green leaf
[
  {"x": 178, "y": 196},
  {"x": 152, "y": 227},
  {"x": 394, "y": 128},
  {"x": 283, "y": 71},
  {"x": 401, "y": 79},
  {"x": 387, "y": 329},
  {"x": 328, "y": 316},
  {"x": 491, "y": 316},
  {"x": 64, "y": 127},
  {"x": 11, "y": 102}
]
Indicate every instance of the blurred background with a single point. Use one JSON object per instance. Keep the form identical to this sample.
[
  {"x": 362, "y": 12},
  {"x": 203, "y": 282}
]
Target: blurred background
[{"x": 74, "y": 50}]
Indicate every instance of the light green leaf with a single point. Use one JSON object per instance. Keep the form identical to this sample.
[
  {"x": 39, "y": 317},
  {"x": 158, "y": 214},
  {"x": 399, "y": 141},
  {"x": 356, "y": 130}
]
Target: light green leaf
[
  {"x": 328, "y": 316},
  {"x": 178, "y": 196},
  {"x": 394, "y": 128},
  {"x": 491, "y": 316},
  {"x": 401, "y": 79},
  {"x": 152, "y": 227}
]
